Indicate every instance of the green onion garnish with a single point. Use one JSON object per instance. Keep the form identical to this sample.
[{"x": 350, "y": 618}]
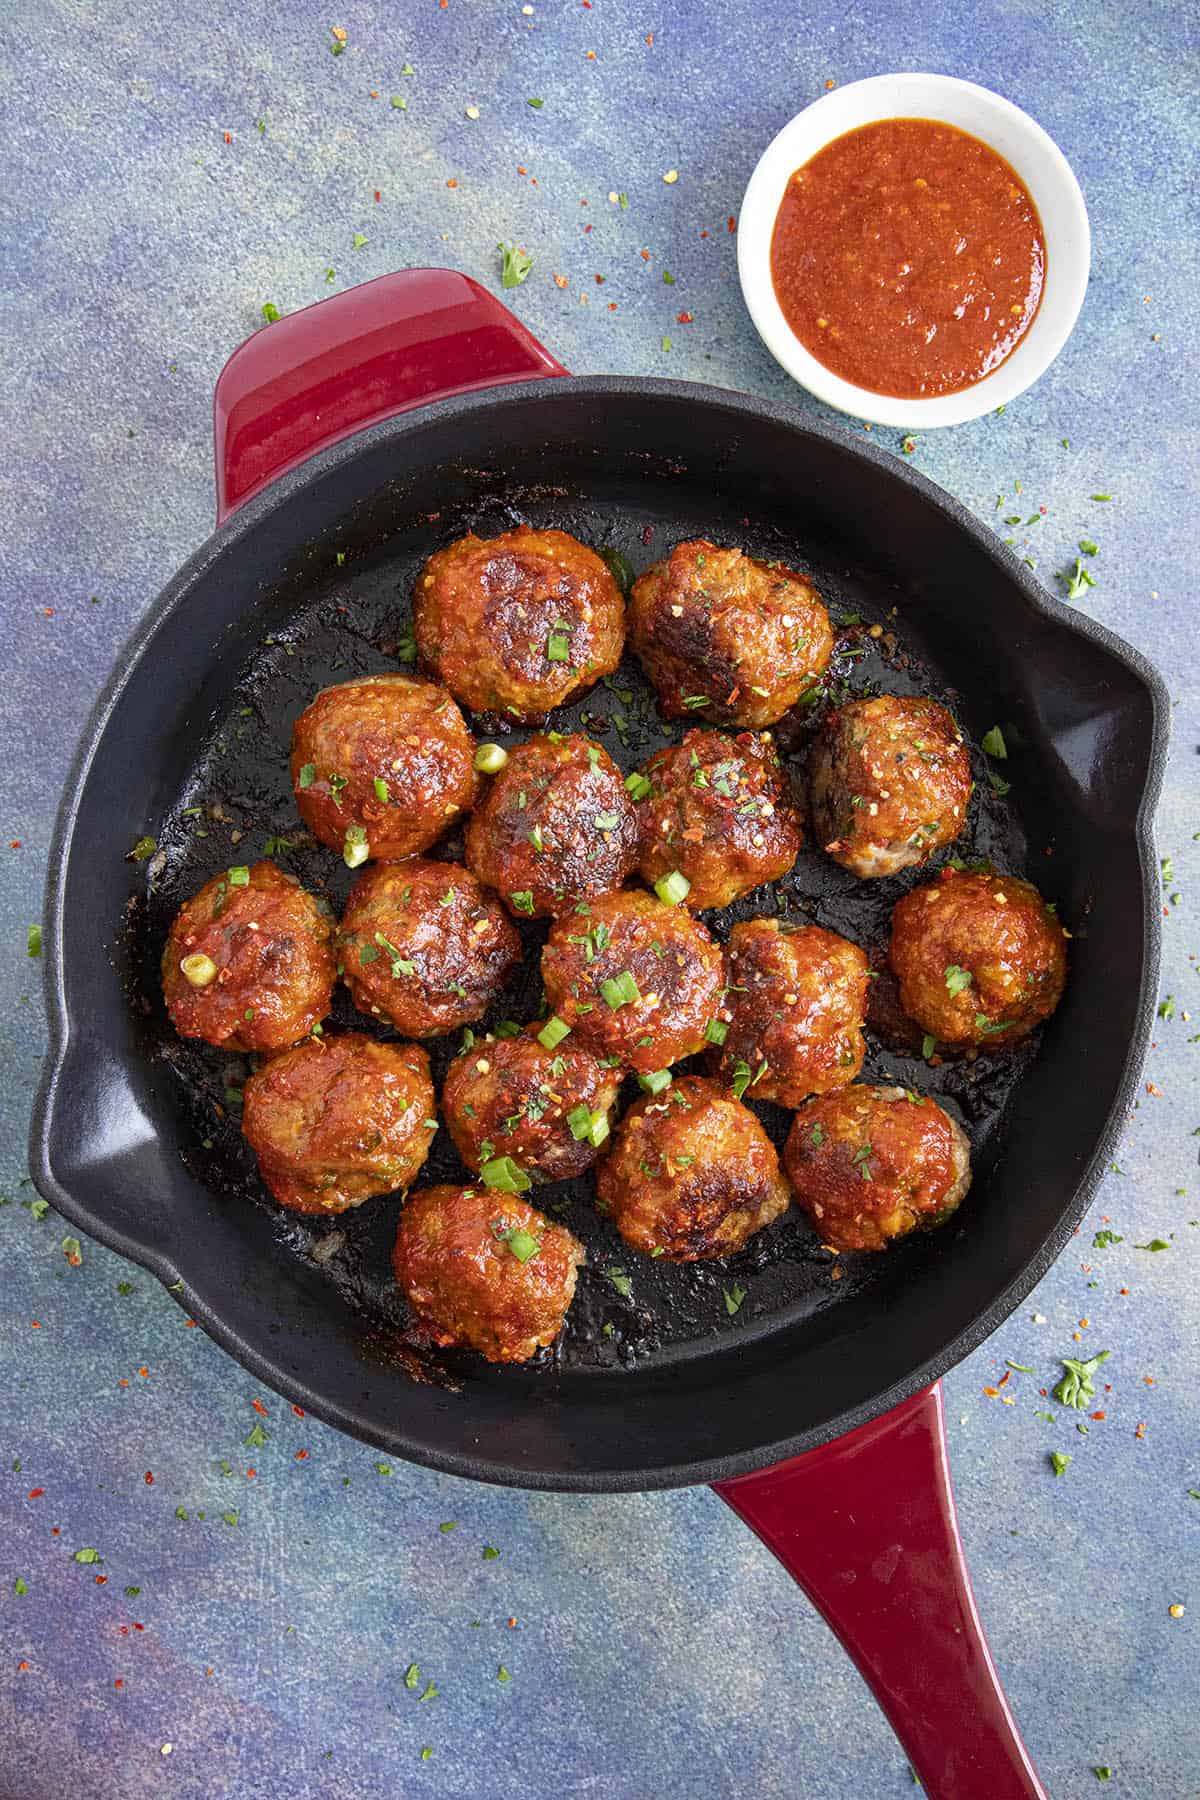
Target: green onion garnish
[
  {"x": 553, "y": 1032},
  {"x": 620, "y": 990},
  {"x": 673, "y": 889},
  {"x": 490, "y": 759},
  {"x": 355, "y": 849},
  {"x": 655, "y": 1083},
  {"x": 503, "y": 1173},
  {"x": 716, "y": 1031}
]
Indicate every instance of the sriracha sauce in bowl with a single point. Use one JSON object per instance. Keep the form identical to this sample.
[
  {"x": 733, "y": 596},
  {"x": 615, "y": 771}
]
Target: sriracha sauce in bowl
[{"x": 914, "y": 250}]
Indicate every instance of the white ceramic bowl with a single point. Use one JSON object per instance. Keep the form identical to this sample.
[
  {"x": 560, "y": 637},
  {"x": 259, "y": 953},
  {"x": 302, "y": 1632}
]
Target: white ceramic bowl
[{"x": 1019, "y": 139}]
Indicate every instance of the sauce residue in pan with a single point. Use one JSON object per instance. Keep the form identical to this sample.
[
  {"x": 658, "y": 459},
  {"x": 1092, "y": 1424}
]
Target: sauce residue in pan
[{"x": 908, "y": 257}]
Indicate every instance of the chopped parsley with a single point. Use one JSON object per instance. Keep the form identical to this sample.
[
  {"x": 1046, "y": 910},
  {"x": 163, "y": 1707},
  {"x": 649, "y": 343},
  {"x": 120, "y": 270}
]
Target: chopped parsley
[
  {"x": 516, "y": 265},
  {"x": 1076, "y": 1387},
  {"x": 956, "y": 979}
]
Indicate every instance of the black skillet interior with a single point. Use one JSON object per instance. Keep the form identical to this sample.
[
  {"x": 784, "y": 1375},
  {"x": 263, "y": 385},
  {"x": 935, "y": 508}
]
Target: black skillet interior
[{"x": 656, "y": 1380}]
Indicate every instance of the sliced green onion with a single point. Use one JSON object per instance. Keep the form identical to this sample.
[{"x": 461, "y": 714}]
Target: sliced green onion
[
  {"x": 356, "y": 849},
  {"x": 307, "y": 775},
  {"x": 716, "y": 1031},
  {"x": 553, "y": 1032},
  {"x": 558, "y": 644},
  {"x": 198, "y": 969},
  {"x": 522, "y": 902},
  {"x": 522, "y": 1243},
  {"x": 993, "y": 743},
  {"x": 508, "y": 1028},
  {"x": 637, "y": 785},
  {"x": 239, "y": 877},
  {"x": 490, "y": 759},
  {"x": 655, "y": 1083},
  {"x": 599, "y": 1129},
  {"x": 620, "y": 990},
  {"x": 606, "y": 821},
  {"x": 673, "y": 889},
  {"x": 381, "y": 789},
  {"x": 505, "y": 1175},
  {"x": 579, "y": 1120},
  {"x": 743, "y": 1079}
]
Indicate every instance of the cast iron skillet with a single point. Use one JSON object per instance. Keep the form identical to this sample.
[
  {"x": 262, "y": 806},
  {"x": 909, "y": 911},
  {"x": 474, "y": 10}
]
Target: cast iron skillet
[{"x": 340, "y": 490}]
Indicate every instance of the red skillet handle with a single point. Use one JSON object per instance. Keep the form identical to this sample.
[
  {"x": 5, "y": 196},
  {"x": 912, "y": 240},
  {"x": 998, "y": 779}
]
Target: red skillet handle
[
  {"x": 376, "y": 350},
  {"x": 867, "y": 1526}
]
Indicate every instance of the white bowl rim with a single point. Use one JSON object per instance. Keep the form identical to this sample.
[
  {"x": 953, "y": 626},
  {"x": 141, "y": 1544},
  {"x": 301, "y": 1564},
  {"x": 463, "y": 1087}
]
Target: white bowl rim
[{"x": 1036, "y": 158}]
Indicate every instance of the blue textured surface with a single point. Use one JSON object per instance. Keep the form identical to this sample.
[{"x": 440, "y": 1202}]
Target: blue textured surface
[{"x": 657, "y": 1650}]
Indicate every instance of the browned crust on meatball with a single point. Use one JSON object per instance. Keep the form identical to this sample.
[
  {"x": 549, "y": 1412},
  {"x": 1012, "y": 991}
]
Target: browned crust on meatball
[
  {"x": 795, "y": 1008},
  {"x": 993, "y": 928},
  {"x": 339, "y": 1119},
  {"x": 890, "y": 781},
  {"x": 555, "y": 827},
  {"x": 489, "y": 615},
  {"x": 513, "y": 1097},
  {"x": 453, "y": 1263},
  {"x": 749, "y": 636},
  {"x": 394, "y": 729},
  {"x": 424, "y": 946},
  {"x": 691, "y": 1174},
  {"x": 677, "y": 968},
  {"x": 871, "y": 1164},
  {"x": 272, "y": 944},
  {"x": 720, "y": 810}
]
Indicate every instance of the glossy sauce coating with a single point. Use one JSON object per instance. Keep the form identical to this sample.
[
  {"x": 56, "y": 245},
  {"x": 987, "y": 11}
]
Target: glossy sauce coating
[
  {"x": 405, "y": 735},
  {"x": 339, "y": 1119},
  {"x": 676, "y": 968},
  {"x": 455, "y": 1267},
  {"x": 871, "y": 1164},
  {"x": 272, "y": 947},
  {"x": 727, "y": 639},
  {"x": 517, "y": 624},
  {"x": 980, "y": 957},
  {"x": 555, "y": 827},
  {"x": 890, "y": 780},
  {"x": 424, "y": 946},
  {"x": 908, "y": 258},
  {"x": 719, "y": 810},
  {"x": 511, "y": 1096},
  {"x": 691, "y": 1174},
  {"x": 794, "y": 1010}
]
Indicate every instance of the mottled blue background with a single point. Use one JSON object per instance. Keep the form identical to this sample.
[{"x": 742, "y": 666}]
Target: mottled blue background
[{"x": 657, "y": 1651}]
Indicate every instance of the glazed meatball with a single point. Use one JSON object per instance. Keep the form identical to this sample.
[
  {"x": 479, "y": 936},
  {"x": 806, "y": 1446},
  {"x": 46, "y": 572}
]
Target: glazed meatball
[
  {"x": 691, "y": 1174},
  {"x": 980, "y": 958},
  {"x": 424, "y": 946},
  {"x": 890, "y": 781},
  {"x": 720, "y": 812},
  {"x": 547, "y": 1109},
  {"x": 634, "y": 979},
  {"x": 485, "y": 1270},
  {"x": 727, "y": 637},
  {"x": 870, "y": 1164},
  {"x": 249, "y": 964},
  {"x": 338, "y": 1119},
  {"x": 382, "y": 767},
  {"x": 518, "y": 624},
  {"x": 556, "y": 827},
  {"x": 794, "y": 1011}
]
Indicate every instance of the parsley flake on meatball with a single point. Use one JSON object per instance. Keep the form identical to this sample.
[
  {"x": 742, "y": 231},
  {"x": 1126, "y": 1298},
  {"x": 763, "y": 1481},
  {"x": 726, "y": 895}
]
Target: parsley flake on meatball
[
  {"x": 339, "y": 1119},
  {"x": 723, "y": 635},
  {"x": 717, "y": 811},
  {"x": 634, "y": 978},
  {"x": 485, "y": 1270},
  {"x": 555, "y": 827},
  {"x": 424, "y": 946},
  {"x": 248, "y": 964},
  {"x": 520, "y": 623},
  {"x": 691, "y": 1174},
  {"x": 871, "y": 1164},
  {"x": 890, "y": 781},
  {"x": 981, "y": 958},
  {"x": 382, "y": 767},
  {"x": 790, "y": 1024}
]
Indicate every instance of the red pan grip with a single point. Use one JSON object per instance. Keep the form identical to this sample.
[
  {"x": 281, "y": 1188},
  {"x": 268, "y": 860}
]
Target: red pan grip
[
  {"x": 319, "y": 375},
  {"x": 867, "y": 1526}
]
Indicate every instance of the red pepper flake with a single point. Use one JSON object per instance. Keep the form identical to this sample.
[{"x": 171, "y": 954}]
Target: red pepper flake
[
  {"x": 645, "y": 255},
  {"x": 683, "y": 318},
  {"x": 35, "y": 1493},
  {"x": 228, "y": 137},
  {"x": 443, "y": 4},
  {"x": 35, "y": 1324},
  {"x": 101, "y": 1580},
  {"x": 190, "y": 1324},
  {"x": 14, "y": 843},
  {"x": 704, "y": 234},
  {"x": 144, "y": 1372},
  {"x": 49, "y": 611},
  {"x": 55, "y": 1531},
  {"x": 138, "y": 1627},
  {"x": 302, "y": 1456},
  {"x": 1149, "y": 1380},
  {"x": 649, "y": 37},
  {"x": 560, "y": 281},
  {"x": 991, "y": 1392},
  {"x": 732, "y": 222},
  {"x": 1099, "y": 1415},
  {"x": 118, "y": 1683},
  {"x": 600, "y": 281},
  {"x": 260, "y": 1408},
  {"x": 830, "y": 84},
  {"x": 452, "y": 182},
  {"x": 612, "y": 306},
  {"x": 299, "y": 1411},
  {"x": 22, "y": 1667},
  {"x": 512, "y": 1624},
  {"x": 1005, "y": 1378},
  {"x": 591, "y": 55},
  {"x": 1155, "y": 1092},
  {"x": 586, "y": 229},
  {"x": 1122, "y": 1290},
  {"x": 123, "y": 1382},
  {"x": 378, "y": 195},
  {"x": 148, "y": 1479},
  {"x": 250, "y": 1474},
  {"x": 521, "y": 171},
  {"x": 1141, "y": 1430},
  {"x": 123, "y": 1630}
]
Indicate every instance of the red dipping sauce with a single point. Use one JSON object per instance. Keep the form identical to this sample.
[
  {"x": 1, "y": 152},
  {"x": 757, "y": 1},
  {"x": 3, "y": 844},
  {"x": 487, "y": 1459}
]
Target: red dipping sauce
[{"x": 908, "y": 258}]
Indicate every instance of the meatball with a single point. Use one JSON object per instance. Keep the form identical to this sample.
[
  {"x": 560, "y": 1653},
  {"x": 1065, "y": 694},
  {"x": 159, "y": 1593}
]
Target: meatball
[
  {"x": 794, "y": 1011},
  {"x": 382, "y": 766},
  {"x": 720, "y": 812},
  {"x": 556, "y": 827},
  {"x": 691, "y": 1174},
  {"x": 485, "y": 1270},
  {"x": 424, "y": 946},
  {"x": 870, "y": 1164},
  {"x": 547, "y": 1109},
  {"x": 980, "y": 958},
  {"x": 634, "y": 978},
  {"x": 518, "y": 624},
  {"x": 338, "y": 1119},
  {"x": 890, "y": 781},
  {"x": 722, "y": 634},
  {"x": 248, "y": 963}
]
